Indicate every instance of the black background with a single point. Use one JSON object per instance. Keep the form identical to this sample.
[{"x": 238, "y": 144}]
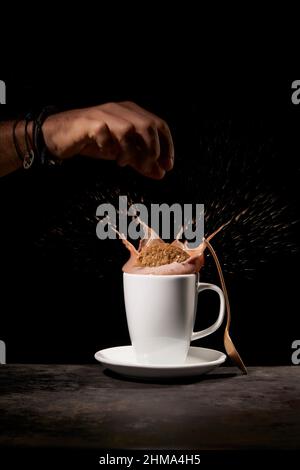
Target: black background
[{"x": 61, "y": 287}]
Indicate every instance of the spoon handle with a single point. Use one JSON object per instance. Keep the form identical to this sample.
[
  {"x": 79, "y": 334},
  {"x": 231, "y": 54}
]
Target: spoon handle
[{"x": 228, "y": 344}]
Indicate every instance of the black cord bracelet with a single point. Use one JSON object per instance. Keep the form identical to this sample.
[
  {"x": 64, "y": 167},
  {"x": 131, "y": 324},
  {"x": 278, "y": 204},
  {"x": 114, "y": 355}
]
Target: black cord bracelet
[
  {"x": 29, "y": 157},
  {"x": 44, "y": 157},
  {"x": 36, "y": 149}
]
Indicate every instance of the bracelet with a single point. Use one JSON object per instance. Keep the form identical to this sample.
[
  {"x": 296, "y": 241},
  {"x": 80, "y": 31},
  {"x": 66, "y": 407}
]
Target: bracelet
[
  {"x": 29, "y": 157},
  {"x": 44, "y": 157},
  {"x": 36, "y": 150}
]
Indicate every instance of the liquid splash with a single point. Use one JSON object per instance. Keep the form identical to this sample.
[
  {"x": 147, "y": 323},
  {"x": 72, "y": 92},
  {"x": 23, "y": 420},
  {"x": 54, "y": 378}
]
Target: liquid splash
[{"x": 238, "y": 175}]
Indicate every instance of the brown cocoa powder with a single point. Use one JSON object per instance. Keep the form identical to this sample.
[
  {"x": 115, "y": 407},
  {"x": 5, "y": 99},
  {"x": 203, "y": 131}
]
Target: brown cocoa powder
[{"x": 159, "y": 254}]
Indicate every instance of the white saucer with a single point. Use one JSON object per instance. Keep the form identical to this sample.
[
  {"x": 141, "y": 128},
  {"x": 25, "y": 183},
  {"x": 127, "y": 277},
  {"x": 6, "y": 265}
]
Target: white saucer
[{"x": 122, "y": 360}]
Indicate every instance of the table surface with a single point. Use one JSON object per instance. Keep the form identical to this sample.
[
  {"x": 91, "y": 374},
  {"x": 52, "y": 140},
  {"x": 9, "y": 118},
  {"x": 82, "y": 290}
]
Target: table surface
[{"x": 84, "y": 406}]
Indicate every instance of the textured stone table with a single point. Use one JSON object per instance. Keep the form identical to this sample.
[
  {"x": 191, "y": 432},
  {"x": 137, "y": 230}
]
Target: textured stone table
[{"x": 70, "y": 406}]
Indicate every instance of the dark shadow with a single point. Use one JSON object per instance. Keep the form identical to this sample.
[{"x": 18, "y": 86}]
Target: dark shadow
[{"x": 169, "y": 381}]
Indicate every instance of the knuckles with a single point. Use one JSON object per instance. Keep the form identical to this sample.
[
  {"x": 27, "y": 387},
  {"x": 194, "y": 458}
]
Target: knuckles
[
  {"x": 150, "y": 127},
  {"x": 129, "y": 104},
  {"x": 126, "y": 130},
  {"x": 163, "y": 126}
]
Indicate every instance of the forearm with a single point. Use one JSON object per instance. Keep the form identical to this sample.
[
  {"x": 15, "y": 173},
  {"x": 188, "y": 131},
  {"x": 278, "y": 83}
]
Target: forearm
[
  {"x": 9, "y": 159},
  {"x": 123, "y": 132}
]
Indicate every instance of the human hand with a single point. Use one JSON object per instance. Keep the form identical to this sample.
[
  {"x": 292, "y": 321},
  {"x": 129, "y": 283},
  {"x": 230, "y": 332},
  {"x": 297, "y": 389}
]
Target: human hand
[{"x": 123, "y": 132}]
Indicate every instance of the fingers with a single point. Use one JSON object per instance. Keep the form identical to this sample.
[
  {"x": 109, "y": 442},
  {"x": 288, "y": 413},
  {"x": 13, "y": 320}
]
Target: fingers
[
  {"x": 131, "y": 136},
  {"x": 134, "y": 154},
  {"x": 100, "y": 143},
  {"x": 135, "y": 149},
  {"x": 166, "y": 157},
  {"x": 145, "y": 128}
]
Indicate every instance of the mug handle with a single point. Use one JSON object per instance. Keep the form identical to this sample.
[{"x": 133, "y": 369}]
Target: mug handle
[{"x": 201, "y": 286}]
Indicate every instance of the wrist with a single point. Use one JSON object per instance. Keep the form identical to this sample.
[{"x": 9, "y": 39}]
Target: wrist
[
  {"x": 29, "y": 140},
  {"x": 48, "y": 132},
  {"x": 22, "y": 144},
  {"x": 24, "y": 141},
  {"x": 43, "y": 150},
  {"x": 10, "y": 156}
]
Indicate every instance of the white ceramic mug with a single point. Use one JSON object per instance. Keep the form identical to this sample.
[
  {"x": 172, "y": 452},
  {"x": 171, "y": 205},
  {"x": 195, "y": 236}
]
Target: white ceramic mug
[{"x": 161, "y": 312}]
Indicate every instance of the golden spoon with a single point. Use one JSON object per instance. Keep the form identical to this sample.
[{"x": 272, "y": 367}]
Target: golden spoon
[{"x": 229, "y": 346}]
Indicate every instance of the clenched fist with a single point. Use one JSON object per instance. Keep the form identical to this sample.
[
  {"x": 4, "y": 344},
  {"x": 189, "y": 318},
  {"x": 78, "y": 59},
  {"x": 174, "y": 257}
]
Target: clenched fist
[{"x": 123, "y": 132}]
